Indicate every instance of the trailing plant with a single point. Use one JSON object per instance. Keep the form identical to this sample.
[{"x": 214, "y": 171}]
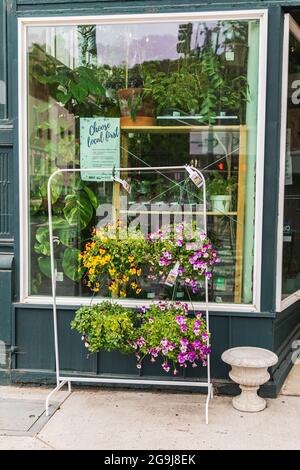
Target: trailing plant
[
  {"x": 114, "y": 257},
  {"x": 166, "y": 331},
  {"x": 199, "y": 85},
  {"x": 182, "y": 255},
  {"x": 107, "y": 326}
]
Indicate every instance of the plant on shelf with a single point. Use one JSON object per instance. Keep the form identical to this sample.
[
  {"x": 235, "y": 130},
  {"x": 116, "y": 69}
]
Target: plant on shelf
[
  {"x": 107, "y": 326},
  {"x": 181, "y": 255},
  {"x": 198, "y": 86},
  {"x": 114, "y": 257},
  {"x": 167, "y": 331},
  {"x": 220, "y": 191},
  {"x": 136, "y": 107}
]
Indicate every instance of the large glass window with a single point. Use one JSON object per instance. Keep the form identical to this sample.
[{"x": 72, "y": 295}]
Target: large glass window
[
  {"x": 185, "y": 93},
  {"x": 291, "y": 224}
]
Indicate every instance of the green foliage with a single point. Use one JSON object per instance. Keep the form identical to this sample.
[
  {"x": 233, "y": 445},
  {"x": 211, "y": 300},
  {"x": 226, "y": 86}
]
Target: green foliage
[
  {"x": 199, "y": 85},
  {"x": 45, "y": 266},
  {"x": 107, "y": 326},
  {"x": 70, "y": 264},
  {"x": 219, "y": 186}
]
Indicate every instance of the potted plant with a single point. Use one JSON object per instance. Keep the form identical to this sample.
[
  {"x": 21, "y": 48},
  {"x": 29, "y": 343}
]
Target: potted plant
[
  {"x": 209, "y": 89},
  {"x": 107, "y": 326},
  {"x": 166, "y": 331},
  {"x": 219, "y": 190},
  {"x": 136, "y": 108}
]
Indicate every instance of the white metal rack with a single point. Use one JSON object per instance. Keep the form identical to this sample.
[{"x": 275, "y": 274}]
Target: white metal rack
[{"x": 62, "y": 379}]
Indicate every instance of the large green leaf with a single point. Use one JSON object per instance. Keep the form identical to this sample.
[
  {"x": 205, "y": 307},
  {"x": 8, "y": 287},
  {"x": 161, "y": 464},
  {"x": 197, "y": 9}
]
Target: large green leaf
[
  {"x": 45, "y": 265},
  {"x": 78, "y": 91},
  {"x": 78, "y": 209},
  {"x": 67, "y": 235},
  {"x": 70, "y": 264},
  {"x": 56, "y": 188},
  {"x": 92, "y": 196},
  {"x": 42, "y": 248}
]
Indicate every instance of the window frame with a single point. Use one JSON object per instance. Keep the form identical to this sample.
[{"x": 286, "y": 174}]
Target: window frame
[
  {"x": 290, "y": 27},
  {"x": 24, "y": 23}
]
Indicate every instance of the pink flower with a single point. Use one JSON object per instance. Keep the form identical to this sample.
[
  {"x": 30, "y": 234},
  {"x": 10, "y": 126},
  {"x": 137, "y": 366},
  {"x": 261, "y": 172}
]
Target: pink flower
[
  {"x": 140, "y": 342},
  {"x": 166, "y": 367},
  {"x": 181, "y": 358},
  {"x": 191, "y": 356},
  {"x": 205, "y": 336},
  {"x": 139, "y": 366}
]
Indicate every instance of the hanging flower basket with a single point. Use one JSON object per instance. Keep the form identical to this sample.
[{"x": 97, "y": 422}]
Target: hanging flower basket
[
  {"x": 164, "y": 331},
  {"x": 168, "y": 333},
  {"x": 182, "y": 253}
]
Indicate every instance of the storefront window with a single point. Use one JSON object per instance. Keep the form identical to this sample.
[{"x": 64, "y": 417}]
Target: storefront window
[
  {"x": 291, "y": 225},
  {"x": 185, "y": 94}
]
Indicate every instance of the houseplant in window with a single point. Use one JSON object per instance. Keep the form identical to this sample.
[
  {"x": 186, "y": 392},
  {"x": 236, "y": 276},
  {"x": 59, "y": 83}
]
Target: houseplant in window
[
  {"x": 136, "y": 107},
  {"x": 210, "y": 90},
  {"x": 220, "y": 192}
]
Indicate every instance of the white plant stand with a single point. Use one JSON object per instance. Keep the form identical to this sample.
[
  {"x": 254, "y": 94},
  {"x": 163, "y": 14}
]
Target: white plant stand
[{"x": 62, "y": 379}]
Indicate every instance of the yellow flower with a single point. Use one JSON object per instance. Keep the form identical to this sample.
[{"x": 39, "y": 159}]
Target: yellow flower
[
  {"x": 130, "y": 259},
  {"x": 111, "y": 271},
  {"x": 132, "y": 271},
  {"x": 138, "y": 271},
  {"x": 138, "y": 290},
  {"x": 133, "y": 285},
  {"x": 102, "y": 251},
  {"x": 122, "y": 293}
]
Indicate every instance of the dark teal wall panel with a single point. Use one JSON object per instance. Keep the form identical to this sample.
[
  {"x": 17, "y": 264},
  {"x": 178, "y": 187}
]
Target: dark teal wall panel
[
  {"x": 6, "y": 193},
  {"x": 6, "y": 281},
  {"x": 73, "y": 355},
  {"x": 249, "y": 332},
  {"x": 286, "y": 327},
  {"x": 34, "y": 339}
]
